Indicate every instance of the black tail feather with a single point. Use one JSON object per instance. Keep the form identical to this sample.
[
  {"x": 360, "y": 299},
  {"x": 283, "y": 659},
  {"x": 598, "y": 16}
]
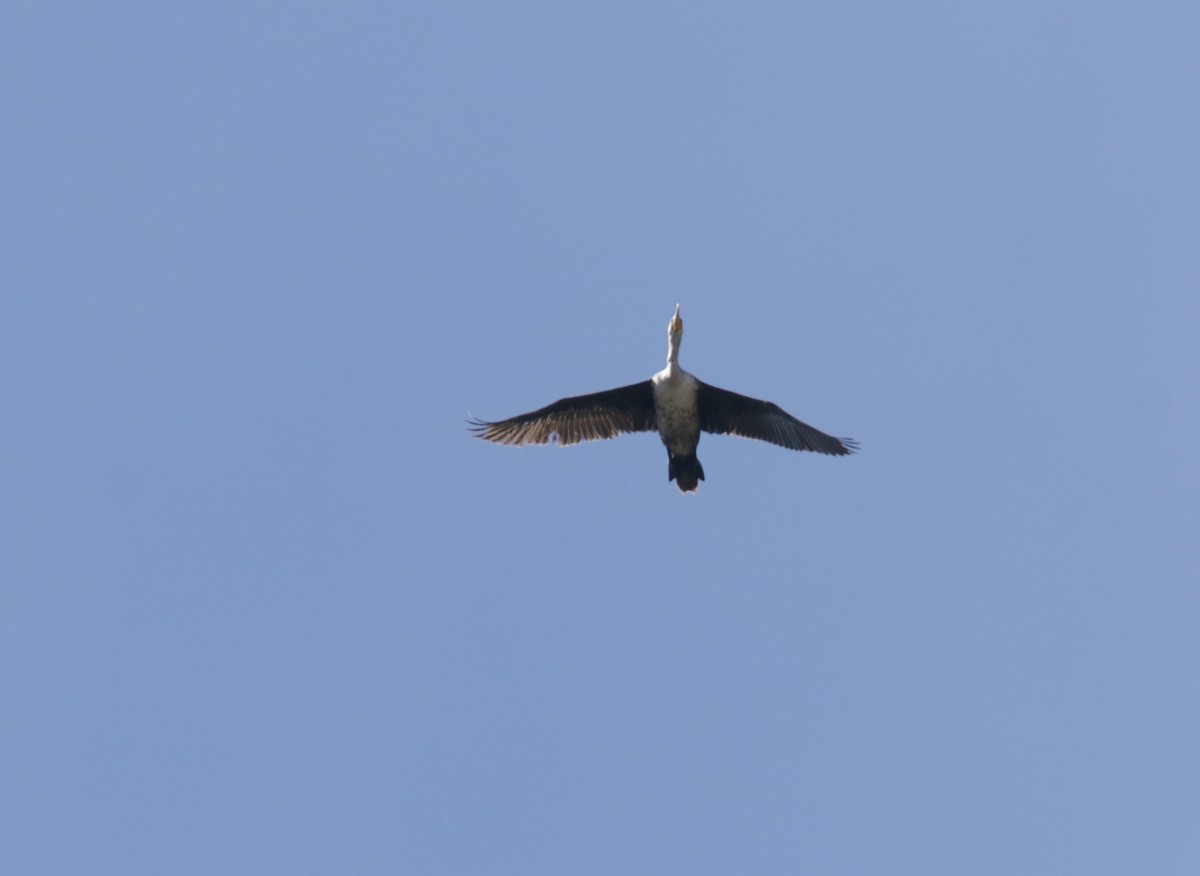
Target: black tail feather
[{"x": 685, "y": 471}]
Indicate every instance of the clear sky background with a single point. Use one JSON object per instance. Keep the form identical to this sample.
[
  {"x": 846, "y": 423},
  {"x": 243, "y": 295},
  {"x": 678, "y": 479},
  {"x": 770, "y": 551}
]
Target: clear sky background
[{"x": 267, "y": 608}]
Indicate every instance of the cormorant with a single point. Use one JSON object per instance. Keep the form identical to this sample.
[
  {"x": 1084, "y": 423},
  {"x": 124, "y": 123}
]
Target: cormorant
[{"x": 673, "y": 403}]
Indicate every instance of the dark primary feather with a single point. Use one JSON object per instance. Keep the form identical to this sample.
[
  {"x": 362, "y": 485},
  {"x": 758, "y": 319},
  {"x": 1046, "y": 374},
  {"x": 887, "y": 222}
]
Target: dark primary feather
[
  {"x": 579, "y": 418},
  {"x": 726, "y": 413}
]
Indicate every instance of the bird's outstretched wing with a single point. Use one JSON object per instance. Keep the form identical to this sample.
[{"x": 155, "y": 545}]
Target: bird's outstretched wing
[
  {"x": 726, "y": 413},
  {"x": 579, "y": 418}
]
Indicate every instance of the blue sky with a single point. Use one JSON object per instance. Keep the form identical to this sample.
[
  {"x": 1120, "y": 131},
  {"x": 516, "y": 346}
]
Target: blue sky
[{"x": 268, "y": 608}]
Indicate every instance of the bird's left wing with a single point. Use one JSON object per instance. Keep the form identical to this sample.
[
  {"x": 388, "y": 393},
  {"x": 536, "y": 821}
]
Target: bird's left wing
[
  {"x": 726, "y": 413},
  {"x": 579, "y": 418}
]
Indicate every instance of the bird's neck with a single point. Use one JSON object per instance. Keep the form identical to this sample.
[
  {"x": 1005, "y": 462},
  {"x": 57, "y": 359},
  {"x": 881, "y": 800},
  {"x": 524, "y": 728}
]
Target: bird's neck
[{"x": 673, "y": 351}]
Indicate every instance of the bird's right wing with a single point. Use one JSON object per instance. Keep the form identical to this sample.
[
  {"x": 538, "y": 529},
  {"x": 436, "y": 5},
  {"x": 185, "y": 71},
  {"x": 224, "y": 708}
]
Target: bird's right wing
[
  {"x": 727, "y": 413},
  {"x": 579, "y": 418}
]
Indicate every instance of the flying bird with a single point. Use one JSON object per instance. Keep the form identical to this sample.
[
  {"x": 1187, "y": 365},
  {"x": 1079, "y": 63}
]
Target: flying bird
[{"x": 673, "y": 403}]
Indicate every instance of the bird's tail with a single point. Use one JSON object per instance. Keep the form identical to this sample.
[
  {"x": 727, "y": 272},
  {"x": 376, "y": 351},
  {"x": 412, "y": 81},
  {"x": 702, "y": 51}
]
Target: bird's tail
[{"x": 685, "y": 471}]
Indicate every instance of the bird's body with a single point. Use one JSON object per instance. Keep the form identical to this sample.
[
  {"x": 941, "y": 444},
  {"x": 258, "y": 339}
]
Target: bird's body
[
  {"x": 673, "y": 403},
  {"x": 677, "y": 416}
]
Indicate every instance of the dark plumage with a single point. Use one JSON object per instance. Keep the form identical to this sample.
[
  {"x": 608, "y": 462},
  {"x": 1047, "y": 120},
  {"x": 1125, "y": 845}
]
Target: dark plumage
[
  {"x": 726, "y": 413},
  {"x": 579, "y": 418},
  {"x": 673, "y": 403}
]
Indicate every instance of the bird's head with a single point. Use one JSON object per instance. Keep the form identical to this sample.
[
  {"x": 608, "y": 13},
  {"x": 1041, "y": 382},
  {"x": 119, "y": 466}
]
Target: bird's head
[{"x": 675, "y": 326}]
